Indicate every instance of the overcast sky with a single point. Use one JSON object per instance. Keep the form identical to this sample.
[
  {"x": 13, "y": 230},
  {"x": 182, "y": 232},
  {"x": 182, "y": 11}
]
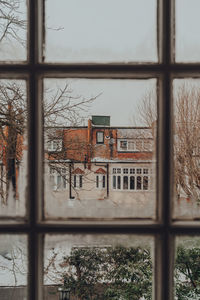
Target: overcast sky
[
  {"x": 117, "y": 98},
  {"x": 101, "y": 30}
]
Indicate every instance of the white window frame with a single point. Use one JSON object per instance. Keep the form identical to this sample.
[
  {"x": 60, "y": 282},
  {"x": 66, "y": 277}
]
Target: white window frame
[
  {"x": 142, "y": 173},
  {"x": 129, "y": 148},
  {"x": 100, "y": 181},
  {"x": 100, "y": 137},
  {"x": 55, "y": 173},
  {"x": 77, "y": 181}
]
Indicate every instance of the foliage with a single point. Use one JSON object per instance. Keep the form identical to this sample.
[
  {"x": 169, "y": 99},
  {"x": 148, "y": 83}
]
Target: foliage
[
  {"x": 109, "y": 273},
  {"x": 187, "y": 273}
]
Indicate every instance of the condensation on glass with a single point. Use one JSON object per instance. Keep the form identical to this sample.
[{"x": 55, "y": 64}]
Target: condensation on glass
[
  {"x": 100, "y": 148},
  {"x": 187, "y": 24},
  {"x": 13, "y": 30},
  {"x": 105, "y": 266},
  {"x": 101, "y": 31},
  {"x": 13, "y": 147},
  {"x": 186, "y": 204},
  {"x": 13, "y": 267},
  {"x": 186, "y": 268}
]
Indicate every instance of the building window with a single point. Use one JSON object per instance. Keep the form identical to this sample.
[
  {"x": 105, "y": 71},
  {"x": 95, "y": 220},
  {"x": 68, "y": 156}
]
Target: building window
[
  {"x": 125, "y": 182},
  {"x": 54, "y": 145},
  {"x": 114, "y": 183},
  {"x": 132, "y": 182},
  {"x": 100, "y": 137},
  {"x": 100, "y": 181},
  {"x": 77, "y": 181},
  {"x": 58, "y": 178},
  {"x": 136, "y": 145},
  {"x": 123, "y": 145},
  {"x": 125, "y": 171},
  {"x": 145, "y": 183},
  {"x": 139, "y": 182}
]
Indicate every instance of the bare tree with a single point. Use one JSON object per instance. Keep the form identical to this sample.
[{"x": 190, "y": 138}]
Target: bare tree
[
  {"x": 60, "y": 108},
  {"x": 186, "y": 137},
  {"x": 147, "y": 109},
  {"x": 187, "y": 142},
  {"x": 12, "y": 21}
]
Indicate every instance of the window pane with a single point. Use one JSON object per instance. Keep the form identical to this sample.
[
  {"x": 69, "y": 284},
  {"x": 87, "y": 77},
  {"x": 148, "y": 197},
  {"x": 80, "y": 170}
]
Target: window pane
[
  {"x": 187, "y": 31},
  {"x": 139, "y": 183},
  {"x": 102, "y": 266},
  {"x": 13, "y": 267},
  {"x": 132, "y": 182},
  {"x": 125, "y": 182},
  {"x": 101, "y": 31},
  {"x": 187, "y": 148},
  {"x": 75, "y": 111},
  {"x": 13, "y": 30},
  {"x": 187, "y": 275},
  {"x": 13, "y": 147}
]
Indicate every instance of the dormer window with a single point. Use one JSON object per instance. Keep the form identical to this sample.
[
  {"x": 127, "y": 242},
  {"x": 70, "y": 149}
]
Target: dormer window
[{"x": 100, "y": 137}]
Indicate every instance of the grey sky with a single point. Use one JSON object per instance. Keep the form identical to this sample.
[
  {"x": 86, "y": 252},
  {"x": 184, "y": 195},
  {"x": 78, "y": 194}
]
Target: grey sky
[
  {"x": 119, "y": 98},
  {"x": 101, "y": 31},
  {"x": 187, "y": 30}
]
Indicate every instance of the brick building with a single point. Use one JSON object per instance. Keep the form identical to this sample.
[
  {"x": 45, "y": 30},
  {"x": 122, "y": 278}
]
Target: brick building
[{"x": 99, "y": 162}]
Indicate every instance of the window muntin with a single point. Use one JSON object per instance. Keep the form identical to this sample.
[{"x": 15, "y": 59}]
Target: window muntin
[{"x": 157, "y": 228}]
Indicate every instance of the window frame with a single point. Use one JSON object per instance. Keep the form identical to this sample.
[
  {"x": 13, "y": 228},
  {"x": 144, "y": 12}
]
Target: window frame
[
  {"x": 97, "y": 138},
  {"x": 164, "y": 229}
]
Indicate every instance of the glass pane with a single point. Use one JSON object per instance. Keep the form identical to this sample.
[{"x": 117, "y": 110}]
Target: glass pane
[
  {"x": 13, "y": 30},
  {"x": 187, "y": 31},
  {"x": 125, "y": 111},
  {"x": 187, "y": 275},
  {"x": 98, "y": 266},
  {"x": 187, "y": 148},
  {"x": 101, "y": 31},
  {"x": 13, "y": 267},
  {"x": 13, "y": 147}
]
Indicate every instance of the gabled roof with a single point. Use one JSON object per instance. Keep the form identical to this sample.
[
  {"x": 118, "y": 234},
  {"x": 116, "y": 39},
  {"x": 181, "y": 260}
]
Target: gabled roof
[
  {"x": 78, "y": 171},
  {"x": 100, "y": 171}
]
